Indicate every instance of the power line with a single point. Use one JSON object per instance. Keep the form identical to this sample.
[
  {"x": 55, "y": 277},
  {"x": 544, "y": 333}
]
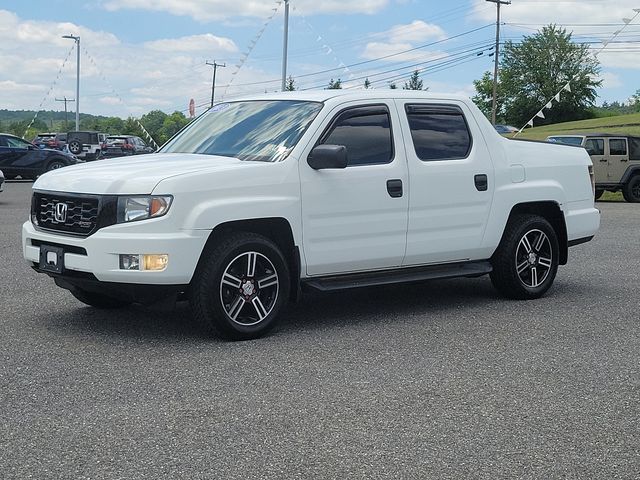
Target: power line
[{"x": 213, "y": 80}]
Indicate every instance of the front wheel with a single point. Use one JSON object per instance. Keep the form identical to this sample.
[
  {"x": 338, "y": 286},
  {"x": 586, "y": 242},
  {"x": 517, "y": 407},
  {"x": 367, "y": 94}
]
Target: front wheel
[
  {"x": 526, "y": 261},
  {"x": 240, "y": 287},
  {"x": 631, "y": 191}
]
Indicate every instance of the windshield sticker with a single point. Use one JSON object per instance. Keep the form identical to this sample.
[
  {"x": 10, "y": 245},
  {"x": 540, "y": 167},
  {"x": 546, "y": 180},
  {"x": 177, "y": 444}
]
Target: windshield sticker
[{"x": 219, "y": 107}]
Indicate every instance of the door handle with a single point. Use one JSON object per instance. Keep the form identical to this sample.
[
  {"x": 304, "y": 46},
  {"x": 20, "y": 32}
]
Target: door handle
[
  {"x": 394, "y": 187},
  {"x": 603, "y": 160},
  {"x": 482, "y": 182},
  {"x": 624, "y": 160}
]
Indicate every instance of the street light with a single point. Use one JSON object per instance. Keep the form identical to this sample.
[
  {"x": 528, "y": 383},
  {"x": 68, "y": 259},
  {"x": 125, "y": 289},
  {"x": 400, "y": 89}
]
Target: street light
[{"x": 77, "y": 40}]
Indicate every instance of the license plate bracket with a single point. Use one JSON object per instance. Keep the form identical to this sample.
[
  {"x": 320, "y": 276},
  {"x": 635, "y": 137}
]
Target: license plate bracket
[{"x": 51, "y": 259}]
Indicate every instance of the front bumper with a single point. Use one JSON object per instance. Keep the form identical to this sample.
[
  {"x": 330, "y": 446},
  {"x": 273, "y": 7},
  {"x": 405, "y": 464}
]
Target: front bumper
[{"x": 98, "y": 254}]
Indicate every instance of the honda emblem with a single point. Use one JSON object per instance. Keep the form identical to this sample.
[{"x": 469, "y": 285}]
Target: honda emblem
[{"x": 60, "y": 212}]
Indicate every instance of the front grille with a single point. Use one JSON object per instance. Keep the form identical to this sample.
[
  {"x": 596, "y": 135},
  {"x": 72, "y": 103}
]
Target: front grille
[{"x": 84, "y": 213}]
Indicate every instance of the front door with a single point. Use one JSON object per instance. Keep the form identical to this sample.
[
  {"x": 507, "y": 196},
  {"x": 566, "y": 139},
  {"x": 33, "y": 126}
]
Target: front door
[
  {"x": 355, "y": 218},
  {"x": 595, "y": 149},
  {"x": 618, "y": 158}
]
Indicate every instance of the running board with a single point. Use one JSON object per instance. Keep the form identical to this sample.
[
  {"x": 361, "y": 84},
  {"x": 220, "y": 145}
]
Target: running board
[{"x": 402, "y": 275}]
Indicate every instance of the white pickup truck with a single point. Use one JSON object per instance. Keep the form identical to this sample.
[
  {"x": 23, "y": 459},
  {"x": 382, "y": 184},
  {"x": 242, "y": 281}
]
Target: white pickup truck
[{"x": 262, "y": 196}]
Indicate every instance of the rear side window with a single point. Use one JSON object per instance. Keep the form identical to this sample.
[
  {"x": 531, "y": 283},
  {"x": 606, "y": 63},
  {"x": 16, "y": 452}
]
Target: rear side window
[
  {"x": 594, "y": 146},
  {"x": 439, "y": 132},
  {"x": 366, "y": 132},
  {"x": 617, "y": 147}
]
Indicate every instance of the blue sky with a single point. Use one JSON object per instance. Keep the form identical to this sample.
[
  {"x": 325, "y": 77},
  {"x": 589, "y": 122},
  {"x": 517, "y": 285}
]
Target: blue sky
[{"x": 138, "y": 55}]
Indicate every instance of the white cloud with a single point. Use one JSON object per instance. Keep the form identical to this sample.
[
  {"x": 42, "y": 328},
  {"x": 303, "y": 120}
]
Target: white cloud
[
  {"x": 610, "y": 80},
  {"x": 400, "y": 38},
  {"x": 416, "y": 31},
  {"x": 143, "y": 74},
  {"x": 210, "y": 10},
  {"x": 193, "y": 43}
]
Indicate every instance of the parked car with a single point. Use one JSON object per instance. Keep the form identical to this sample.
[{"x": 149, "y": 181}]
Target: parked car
[
  {"x": 1, "y": 181},
  {"x": 259, "y": 198},
  {"x": 21, "y": 158},
  {"x": 55, "y": 141},
  {"x": 123, "y": 145},
  {"x": 86, "y": 145},
  {"x": 505, "y": 129},
  {"x": 616, "y": 161}
]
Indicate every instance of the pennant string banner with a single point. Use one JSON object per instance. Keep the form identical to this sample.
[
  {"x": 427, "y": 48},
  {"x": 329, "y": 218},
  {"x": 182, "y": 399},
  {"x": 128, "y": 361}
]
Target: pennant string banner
[
  {"x": 46, "y": 95},
  {"x": 567, "y": 86},
  {"x": 251, "y": 46}
]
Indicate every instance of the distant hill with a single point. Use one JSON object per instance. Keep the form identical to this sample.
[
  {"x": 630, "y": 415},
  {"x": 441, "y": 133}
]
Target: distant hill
[
  {"x": 622, "y": 124},
  {"x": 52, "y": 118}
]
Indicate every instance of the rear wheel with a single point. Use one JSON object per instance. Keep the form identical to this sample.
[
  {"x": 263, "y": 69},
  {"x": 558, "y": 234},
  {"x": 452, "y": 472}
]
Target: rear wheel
[
  {"x": 75, "y": 147},
  {"x": 98, "y": 300},
  {"x": 631, "y": 191},
  {"x": 526, "y": 262},
  {"x": 240, "y": 287}
]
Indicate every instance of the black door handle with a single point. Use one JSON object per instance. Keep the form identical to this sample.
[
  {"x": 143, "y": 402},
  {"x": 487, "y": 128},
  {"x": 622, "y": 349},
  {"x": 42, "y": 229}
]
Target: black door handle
[
  {"x": 394, "y": 187},
  {"x": 482, "y": 183}
]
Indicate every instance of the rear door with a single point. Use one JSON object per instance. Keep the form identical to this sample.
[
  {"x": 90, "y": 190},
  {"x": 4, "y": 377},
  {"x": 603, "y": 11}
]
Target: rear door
[
  {"x": 355, "y": 218},
  {"x": 451, "y": 182},
  {"x": 595, "y": 149},
  {"x": 618, "y": 158}
]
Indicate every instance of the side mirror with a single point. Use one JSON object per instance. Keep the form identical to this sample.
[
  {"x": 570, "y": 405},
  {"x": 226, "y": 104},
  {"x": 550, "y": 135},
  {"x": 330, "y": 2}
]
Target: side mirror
[{"x": 328, "y": 156}]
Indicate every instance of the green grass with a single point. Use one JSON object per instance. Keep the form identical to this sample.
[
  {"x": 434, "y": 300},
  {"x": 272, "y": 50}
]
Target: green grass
[
  {"x": 622, "y": 124},
  {"x": 611, "y": 197}
]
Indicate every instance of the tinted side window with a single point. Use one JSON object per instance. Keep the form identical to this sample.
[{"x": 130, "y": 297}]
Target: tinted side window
[
  {"x": 594, "y": 146},
  {"x": 366, "y": 132},
  {"x": 3, "y": 141},
  {"x": 439, "y": 132},
  {"x": 617, "y": 147}
]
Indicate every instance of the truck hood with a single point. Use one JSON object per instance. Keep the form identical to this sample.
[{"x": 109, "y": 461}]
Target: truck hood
[{"x": 135, "y": 175}]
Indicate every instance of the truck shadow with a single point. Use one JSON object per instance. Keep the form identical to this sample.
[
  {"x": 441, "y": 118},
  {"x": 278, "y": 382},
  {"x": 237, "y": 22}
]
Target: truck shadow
[{"x": 424, "y": 301}]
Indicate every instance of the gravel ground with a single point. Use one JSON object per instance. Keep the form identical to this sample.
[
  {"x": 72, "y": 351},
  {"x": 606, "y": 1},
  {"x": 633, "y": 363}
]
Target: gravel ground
[{"x": 435, "y": 380}]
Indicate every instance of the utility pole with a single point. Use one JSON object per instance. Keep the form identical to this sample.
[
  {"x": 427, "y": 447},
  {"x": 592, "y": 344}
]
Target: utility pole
[
  {"x": 213, "y": 80},
  {"x": 494, "y": 105},
  {"x": 77, "y": 40},
  {"x": 65, "y": 100},
  {"x": 285, "y": 45}
]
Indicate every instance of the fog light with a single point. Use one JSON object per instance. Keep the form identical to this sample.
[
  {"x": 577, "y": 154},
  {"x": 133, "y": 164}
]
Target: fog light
[
  {"x": 129, "y": 262},
  {"x": 155, "y": 261}
]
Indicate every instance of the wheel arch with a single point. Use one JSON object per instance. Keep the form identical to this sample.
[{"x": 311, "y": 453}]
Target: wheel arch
[
  {"x": 630, "y": 172},
  {"x": 552, "y": 212},
  {"x": 55, "y": 158},
  {"x": 276, "y": 229}
]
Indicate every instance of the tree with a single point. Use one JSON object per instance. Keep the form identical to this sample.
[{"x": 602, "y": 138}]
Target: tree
[
  {"x": 335, "y": 85},
  {"x": 414, "y": 83},
  {"x": 172, "y": 123},
  {"x": 535, "y": 69},
  {"x": 290, "y": 85},
  {"x": 484, "y": 97},
  {"x": 367, "y": 83},
  {"x": 635, "y": 101}
]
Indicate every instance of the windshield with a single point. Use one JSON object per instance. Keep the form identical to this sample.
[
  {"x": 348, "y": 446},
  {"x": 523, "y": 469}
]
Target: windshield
[
  {"x": 262, "y": 130},
  {"x": 566, "y": 140}
]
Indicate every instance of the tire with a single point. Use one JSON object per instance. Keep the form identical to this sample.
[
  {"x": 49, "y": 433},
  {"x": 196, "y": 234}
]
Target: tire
[
  {"x": 599, "y": 194},
  {"x": 631, "y": 191},
  {"x": 75, "y": 147},
  {"x": 240, "y": 287},
  {"x": 523, "y": 256},
  {"x": 55, "y": 164},
  {"x": 10, "y": 177},
  {"x": 98, "y": 300}
]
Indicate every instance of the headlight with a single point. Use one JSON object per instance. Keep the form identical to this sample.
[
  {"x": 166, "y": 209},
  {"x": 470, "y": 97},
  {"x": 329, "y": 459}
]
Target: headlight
[{"x": 131, "y": 209}]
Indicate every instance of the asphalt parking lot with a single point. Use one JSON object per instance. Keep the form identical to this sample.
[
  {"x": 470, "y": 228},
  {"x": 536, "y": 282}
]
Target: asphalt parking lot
[{"x": 434, "y": 380}]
